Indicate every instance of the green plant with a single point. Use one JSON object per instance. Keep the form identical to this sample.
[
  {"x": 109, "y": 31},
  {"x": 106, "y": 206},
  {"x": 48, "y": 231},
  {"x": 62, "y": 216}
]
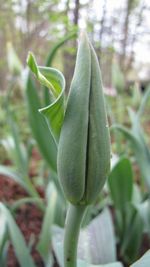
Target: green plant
[
  {"x": 135, "y": 136},
  {"x": 83, "y": 149},
  {"x": 129, "y": 224},
  {"x": 19, "y": 156},
  {"x": 39, "y": 127},
  {"x": 81, "y": 160},
  {"x": 47, "y": 145}
]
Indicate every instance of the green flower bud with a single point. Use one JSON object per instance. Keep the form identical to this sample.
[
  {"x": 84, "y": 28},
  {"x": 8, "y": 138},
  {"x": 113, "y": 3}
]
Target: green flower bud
[{"x": 84, "y": 145}]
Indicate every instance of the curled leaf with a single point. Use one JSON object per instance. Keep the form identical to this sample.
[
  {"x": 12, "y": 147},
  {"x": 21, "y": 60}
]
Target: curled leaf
[{"x": 53, "y": 80}]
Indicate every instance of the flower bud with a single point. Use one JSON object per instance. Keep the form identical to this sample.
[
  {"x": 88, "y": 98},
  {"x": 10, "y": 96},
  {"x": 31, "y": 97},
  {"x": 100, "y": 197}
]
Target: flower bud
[{"x": 84, "y": 145}]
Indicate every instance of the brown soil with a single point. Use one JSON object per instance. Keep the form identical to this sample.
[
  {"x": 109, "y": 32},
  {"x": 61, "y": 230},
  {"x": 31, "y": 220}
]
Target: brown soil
[{"x": 28, "y": 218}]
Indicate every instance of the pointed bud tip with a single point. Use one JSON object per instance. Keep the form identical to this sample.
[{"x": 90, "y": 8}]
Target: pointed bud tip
[
  {"x": 29, "y": 58},
  {"x": 31, "y": 62}
]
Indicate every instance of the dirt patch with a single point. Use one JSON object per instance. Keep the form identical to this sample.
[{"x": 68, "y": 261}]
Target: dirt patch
[{"x": 28, "y": 218}]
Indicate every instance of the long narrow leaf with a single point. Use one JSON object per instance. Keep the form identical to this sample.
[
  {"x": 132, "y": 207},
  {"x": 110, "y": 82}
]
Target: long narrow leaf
[
  {"x": 44, "y": 245},
  {"x": 141, "y": 150},
  {"x": 57, "y": 46},
  {"x": 17, "y": 239},
  {"x": 133, "y": 231},
  {"x": 25, "y": 182},
  {"x": 121, "y": 177},
  {"x": 39, "y": 127},
  {"x": 8, "y": 172}
]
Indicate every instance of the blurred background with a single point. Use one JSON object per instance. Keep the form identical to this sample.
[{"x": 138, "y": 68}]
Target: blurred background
[
  {"x": 29, "y": 187},
  {"x": 119, "y": 31}
]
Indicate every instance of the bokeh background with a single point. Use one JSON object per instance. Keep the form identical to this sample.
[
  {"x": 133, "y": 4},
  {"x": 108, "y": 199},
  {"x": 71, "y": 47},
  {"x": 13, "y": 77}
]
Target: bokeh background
[
  {"x": 30, "y": 195},
  {"x": 119, "y": 31}
]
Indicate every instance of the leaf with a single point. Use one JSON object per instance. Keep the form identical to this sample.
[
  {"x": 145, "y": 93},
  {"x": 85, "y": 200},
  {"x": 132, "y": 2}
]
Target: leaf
[
  {"x": 58, "y": 249},
  {"x": 133, "y": 231},
  {"x": 137, "y": 195},
  {"x": 17, "y": 239},
  {"x": 38, "y": 201},
  {"x": 54, "y": 80},
  {"x": 25, "y": 182},
  {"x": 19, "y": 149},
  {"x": 140, "y": 148},
  {"x": 50, "y": 59},
  {"x": 136, "y": 137},
  {"x": 96, "y": 243},
  {"x": 144, "y": 211},
  {"x": 14, "y": 63},
  {"x": 8, "y": 172},
  {"x": 129, "y": 222},
  {"x": 143, "y": 261},
  {"x": 3, "y": 230},
  {"x": 99, "y": 240},
  {"x": 39, "y": 127},
  {"x": 57, "y": 46},
  {"x": 117, "y": 77},
  {"x": 3, "y": 256},
  {"x": 44, "y": 243},
  {"x": 121, "y": 183}
]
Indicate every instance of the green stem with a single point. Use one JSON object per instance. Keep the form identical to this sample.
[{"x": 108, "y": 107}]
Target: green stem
[{"x": 73, "y": 222}]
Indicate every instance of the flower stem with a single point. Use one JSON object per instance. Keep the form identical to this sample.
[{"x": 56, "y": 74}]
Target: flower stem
[{"x": 73, "y": 222}]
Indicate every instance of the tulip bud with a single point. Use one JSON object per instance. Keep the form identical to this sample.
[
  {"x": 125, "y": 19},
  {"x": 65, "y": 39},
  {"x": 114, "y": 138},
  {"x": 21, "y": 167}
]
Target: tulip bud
[{"x": 84, "y": 145}]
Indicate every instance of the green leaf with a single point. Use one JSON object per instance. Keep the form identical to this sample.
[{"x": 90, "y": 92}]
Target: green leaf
[
  {"x": 17, "y": 239},
  {"x": 144, "y": 211},
  {"x": 39, "y": 127},
  {"x": 121, "y": 183},
  {"x": 14, "y": 63},
  {"x": 19, "y": 149},
  {"x": 44, "y": 244},
  {"x": 3, "y": 230},
  {"x": 117, "y": 77},
  {"x": 57, "y": 46},
  {"x": 8, "y": 172},
  {"x": 140, "y": 148},
  {"x": 24, "y": 181},
  {"x": 137, "y": 195},
  {"x": 54, "y": 80},
  {"x": 16, "y": 204},
  {"x": 136, "y": 137},
  {"x": 3, "y": 255},
  {"x": 133, "y": 231},
  {"x": 50, "y": 59},
  {"x": 143, "y": 261}
]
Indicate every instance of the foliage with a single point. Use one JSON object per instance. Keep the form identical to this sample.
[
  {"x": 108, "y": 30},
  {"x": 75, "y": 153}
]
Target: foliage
[{"x": 122, "y": 199}]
